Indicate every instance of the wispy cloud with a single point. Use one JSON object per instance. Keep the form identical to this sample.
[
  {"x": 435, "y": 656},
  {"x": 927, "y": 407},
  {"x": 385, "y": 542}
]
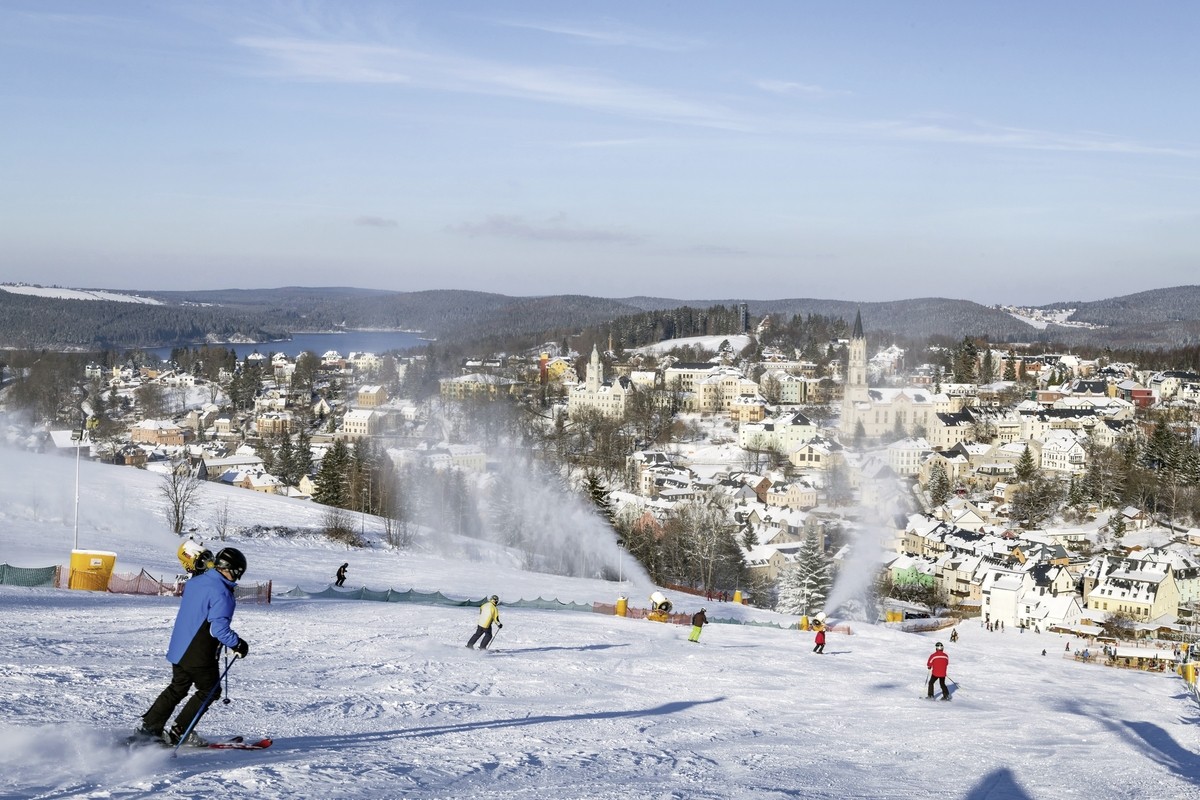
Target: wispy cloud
[
  {"x": 797, "y": 89},
  {"x": 555, "y": 229},
  {"x": 643, "y": 141},
  {"x": 609, "y": 34},
  {"x": 376, "y": 222},
  {"x": 342, "y": 62},
  {"x": 339, "y": 62},
  {"x": 718, "y": 251},
  {"x": 945, "y": 130}
]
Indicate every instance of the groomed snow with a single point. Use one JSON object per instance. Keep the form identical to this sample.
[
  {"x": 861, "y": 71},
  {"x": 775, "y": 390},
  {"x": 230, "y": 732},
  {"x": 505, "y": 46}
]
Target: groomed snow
[{"x": 375, "y": 700}]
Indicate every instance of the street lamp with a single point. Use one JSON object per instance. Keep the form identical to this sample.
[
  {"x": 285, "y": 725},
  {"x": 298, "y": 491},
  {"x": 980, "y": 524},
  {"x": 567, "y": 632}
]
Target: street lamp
[{"x": 77, "y": 436}]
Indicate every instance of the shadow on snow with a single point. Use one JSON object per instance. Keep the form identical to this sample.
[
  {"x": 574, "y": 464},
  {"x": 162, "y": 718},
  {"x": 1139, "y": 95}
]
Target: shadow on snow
[{"x": 310, "y": 742}]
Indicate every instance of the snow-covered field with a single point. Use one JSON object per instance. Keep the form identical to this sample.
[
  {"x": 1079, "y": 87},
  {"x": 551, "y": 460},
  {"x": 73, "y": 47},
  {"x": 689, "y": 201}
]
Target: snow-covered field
[
  {"x": 381, "y": 700},
  {"x": 737, "y": 341},
  {"x": 76, "y": 294}
]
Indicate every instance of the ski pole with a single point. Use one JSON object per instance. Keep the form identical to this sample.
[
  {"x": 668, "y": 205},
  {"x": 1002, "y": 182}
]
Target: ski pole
[
  {"x": 203, "y": 707},
  {"x": 225, "y": 699},
  {"x": 495, "y": 636}
]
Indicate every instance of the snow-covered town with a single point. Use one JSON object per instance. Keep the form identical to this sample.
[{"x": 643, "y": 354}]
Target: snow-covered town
[
  {"x": 885, "y": 545},
  {"x": 993, "y": 499}
]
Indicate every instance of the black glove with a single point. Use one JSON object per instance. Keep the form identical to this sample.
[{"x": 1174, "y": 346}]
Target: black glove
[
  {"x": 242, "y": 648},
  {"x": 499, "y": 624}
]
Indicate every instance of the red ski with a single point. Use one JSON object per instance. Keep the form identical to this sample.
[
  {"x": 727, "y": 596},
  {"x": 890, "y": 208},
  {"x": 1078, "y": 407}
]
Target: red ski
[{"x": 240, "y": 743}]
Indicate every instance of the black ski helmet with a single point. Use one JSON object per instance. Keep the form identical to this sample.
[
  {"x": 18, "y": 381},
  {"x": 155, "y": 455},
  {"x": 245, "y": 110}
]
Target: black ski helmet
[
  {"x": 938, "y": 645},
  {"x": 495, "y": 599},
  {"x": 230, "y": 558}
]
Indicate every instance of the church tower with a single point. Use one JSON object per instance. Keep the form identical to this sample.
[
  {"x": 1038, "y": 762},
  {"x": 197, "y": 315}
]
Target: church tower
[
  {"x": 856, "y": 365},
  {"x": 854, "y": 388},
  {"x": 595, "y": 372}
]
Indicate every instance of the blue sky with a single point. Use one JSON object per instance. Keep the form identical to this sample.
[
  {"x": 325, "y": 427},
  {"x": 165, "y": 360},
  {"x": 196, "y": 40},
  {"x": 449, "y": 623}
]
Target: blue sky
[{"x": 1015, "y": 152}]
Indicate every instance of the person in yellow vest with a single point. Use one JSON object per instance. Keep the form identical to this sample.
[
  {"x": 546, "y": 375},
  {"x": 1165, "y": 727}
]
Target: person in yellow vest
[{"x": 488, "y": 614}]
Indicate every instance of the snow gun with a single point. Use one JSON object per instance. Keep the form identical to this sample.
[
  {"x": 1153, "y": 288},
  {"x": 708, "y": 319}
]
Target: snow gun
[
  {"x": 194, "y": 557},
  {"x": 660, "y": 608}
]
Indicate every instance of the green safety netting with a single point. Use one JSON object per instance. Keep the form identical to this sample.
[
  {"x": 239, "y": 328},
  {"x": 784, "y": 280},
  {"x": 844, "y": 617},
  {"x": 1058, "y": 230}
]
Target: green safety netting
[
  {"x": 752, "y": 623},
  {"x": 28, "y": 576},
  {"x": 426, "y": 598}
]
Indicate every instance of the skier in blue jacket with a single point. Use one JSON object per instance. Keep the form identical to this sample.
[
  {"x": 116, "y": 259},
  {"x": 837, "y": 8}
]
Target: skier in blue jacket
[{"x": 201, "y": 627}]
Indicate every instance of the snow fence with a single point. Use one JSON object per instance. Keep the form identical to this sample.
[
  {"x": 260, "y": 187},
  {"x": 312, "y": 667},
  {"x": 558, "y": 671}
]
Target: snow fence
[
  {"x": 424, "y": 598},
  {"x": 439, "y": 599},
  {"x": 28, "y": 576}
]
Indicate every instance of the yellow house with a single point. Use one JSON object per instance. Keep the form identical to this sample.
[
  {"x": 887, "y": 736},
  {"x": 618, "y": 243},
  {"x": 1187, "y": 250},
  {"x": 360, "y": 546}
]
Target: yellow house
[{"x": 1142, "y": 589}]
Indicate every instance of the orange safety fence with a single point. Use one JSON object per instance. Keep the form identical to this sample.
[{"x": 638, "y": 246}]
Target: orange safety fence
[{"x": 143, "y": 583}]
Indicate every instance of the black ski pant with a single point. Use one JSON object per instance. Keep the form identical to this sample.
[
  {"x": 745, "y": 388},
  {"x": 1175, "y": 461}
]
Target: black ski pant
[
  {"x": 205, "y": 677},
  {"x": 945, "y": 691},
  {"x": 819, "y": 648},
  {"x": 486, "y": 633}
]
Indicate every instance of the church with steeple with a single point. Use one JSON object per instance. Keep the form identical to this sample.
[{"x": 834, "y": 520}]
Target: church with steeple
[
  {"x": 885, "y": 413},
  {"x": 609, "y": 399}
]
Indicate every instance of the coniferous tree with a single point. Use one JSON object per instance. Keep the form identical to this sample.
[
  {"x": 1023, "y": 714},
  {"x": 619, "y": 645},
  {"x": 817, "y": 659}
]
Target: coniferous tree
[
  {"x": 965, "y": 361},
  {"x": 1026, "y": 469},
  {"x": 284, "y": 467},
  {"x": 1104, "y": 478},
  {"x": 1010, "y": 366},
  {"x": 804, "y": 586},
  {"x": 987, "y": 369},
  {"x": 302, "y": 456},
  {"x": 333, "y": 477},
  {"x": 598, "y": 494},
  {"x": 939, "y": 485}
]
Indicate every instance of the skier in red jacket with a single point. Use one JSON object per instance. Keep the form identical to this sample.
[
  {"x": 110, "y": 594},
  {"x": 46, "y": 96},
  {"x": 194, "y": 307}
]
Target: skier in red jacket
[
  {"x": 938, "y": 664},
  {"x": 819, "y": 642}
]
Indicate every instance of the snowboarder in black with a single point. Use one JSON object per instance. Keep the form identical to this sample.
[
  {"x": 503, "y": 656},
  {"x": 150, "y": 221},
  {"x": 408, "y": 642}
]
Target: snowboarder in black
[{"x": 341, "y": 574}]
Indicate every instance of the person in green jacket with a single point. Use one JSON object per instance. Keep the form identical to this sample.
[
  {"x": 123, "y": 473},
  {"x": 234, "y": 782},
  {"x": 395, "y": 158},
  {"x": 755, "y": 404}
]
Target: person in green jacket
[{"x": 488, "y": 614}]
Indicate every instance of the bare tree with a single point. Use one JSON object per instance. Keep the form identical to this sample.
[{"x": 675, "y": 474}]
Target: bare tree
[
  {"x": 179, "y": 487},
  {"x": 222, "y": 521},
  {"x": 150, "y": 400}
]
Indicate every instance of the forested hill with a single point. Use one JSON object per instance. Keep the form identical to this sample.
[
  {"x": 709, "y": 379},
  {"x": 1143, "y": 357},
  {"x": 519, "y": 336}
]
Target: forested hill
[{"x": 1160, "y": 318}]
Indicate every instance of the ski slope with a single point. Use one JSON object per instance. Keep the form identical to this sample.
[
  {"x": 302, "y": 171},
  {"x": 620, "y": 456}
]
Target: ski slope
[{"x": 382, "y": 700}]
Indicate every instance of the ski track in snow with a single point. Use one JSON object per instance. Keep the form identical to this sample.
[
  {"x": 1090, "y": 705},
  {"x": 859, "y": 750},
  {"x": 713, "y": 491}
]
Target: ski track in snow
[{"x": 382, "y": 700}]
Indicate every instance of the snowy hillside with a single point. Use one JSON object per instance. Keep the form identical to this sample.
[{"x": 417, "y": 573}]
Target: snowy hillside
[
  {"x": 738, "y": 341},
  {"x": 76, "y": 294},
  {"x": 381, "y": 700}
]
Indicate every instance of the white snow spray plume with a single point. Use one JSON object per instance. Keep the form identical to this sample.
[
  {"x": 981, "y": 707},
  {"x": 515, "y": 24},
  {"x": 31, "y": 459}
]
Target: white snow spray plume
[
  {"x": 850, "y": 596},
  {"x": 526, "y": 510}
]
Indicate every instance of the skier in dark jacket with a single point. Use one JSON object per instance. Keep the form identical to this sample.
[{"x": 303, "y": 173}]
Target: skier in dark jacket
[
  {"x": 341, "y": 574},
  {"x": 699, "y": 620},
  {"x": 202, "y": 626}
]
